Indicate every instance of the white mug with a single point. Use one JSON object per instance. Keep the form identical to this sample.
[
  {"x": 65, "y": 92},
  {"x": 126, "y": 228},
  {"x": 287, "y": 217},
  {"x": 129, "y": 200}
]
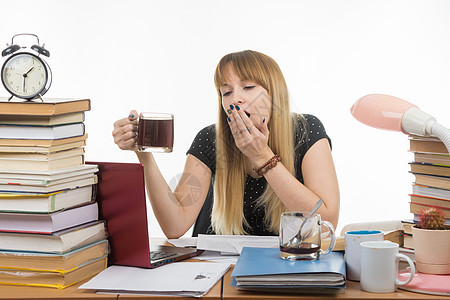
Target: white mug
[
  {"x": 379, "y": 267},
  {"x": 353, "y": 240}
]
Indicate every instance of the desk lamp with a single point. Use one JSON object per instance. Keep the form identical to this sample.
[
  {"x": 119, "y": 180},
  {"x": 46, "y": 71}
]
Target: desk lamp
[{"x": 392, "y": 113}]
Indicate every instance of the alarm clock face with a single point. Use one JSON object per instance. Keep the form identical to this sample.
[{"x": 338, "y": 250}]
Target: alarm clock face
[{"x": 25, "y": 75}]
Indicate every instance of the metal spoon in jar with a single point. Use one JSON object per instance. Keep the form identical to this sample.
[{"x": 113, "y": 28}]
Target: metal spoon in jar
[{"x": 297, "y": 239}]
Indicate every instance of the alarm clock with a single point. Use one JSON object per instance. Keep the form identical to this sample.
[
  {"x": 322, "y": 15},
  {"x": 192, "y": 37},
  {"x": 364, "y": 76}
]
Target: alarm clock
[{"x": 25, "y": 74}]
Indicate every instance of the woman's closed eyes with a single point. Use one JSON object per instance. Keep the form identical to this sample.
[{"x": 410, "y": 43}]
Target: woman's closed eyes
[
  {"x": 247, "y": 87},
  {"x": 226, "y": 94}
]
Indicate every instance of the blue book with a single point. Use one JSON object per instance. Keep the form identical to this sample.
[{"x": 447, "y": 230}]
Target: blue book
[{"x": 263, "y": 269}]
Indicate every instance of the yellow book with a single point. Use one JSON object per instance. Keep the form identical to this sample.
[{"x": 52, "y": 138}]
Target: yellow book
[
  {"x": 55, "y": 278},
  {"x": 53, "y": 262}
]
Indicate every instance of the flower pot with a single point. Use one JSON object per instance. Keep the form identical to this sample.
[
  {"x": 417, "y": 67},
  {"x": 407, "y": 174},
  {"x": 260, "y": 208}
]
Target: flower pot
[{"x": 432, "y": 250}]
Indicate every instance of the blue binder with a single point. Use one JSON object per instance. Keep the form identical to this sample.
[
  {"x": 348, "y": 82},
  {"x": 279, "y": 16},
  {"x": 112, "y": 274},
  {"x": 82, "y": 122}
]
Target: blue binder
[{"x": 267, "y": 261}]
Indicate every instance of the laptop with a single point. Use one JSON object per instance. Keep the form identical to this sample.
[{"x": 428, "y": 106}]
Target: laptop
[{"x": 122, "y": 204}]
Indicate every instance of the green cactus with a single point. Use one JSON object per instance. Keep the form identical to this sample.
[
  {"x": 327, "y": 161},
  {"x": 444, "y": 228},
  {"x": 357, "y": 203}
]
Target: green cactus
[{"x": 432, "y": 218}]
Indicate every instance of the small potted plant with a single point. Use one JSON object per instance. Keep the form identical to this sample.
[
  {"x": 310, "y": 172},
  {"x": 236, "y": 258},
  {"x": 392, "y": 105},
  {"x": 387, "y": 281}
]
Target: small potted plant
[{"x": 432, "y": 242}]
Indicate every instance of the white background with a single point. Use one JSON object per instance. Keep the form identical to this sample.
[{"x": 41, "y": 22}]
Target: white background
[{"x": 161, "y": 55}]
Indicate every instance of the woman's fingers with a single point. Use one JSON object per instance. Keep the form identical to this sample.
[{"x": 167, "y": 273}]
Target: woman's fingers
[
  {"x": 232, "y": 122},
  {"x": 133, "y": 115},
  {"x": 125, "y": 131},
  {"x": 249, "y": 139},
  {"x": 240, "y": 124},
  {"x": 247, "y": 123},
  {"x": 263, "y": 128},
  {"x": 126, "y": 144}
]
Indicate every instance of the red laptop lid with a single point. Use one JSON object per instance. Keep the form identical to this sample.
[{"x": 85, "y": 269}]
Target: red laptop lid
[{"x": 122, "y": 204}]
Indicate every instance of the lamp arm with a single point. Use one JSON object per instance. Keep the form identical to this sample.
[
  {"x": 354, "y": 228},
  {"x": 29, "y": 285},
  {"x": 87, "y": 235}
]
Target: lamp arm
[
  {"x": 416, "y": 121},
  {"x": 442, "y": 133}
]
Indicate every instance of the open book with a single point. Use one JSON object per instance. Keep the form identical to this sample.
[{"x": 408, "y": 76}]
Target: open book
[{"x": 393, "y": 231}]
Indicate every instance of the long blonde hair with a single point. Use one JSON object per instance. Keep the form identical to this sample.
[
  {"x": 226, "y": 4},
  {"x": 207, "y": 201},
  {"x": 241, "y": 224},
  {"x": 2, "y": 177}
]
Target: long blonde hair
[{"x": 227, "y": 212}]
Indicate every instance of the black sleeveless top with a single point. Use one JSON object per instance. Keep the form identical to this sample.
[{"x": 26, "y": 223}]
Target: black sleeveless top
[{"x": 203, "y": 147}]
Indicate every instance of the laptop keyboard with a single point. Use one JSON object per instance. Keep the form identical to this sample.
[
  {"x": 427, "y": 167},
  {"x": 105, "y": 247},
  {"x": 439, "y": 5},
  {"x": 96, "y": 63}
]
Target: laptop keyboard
[{"x": 156, "y": 255}]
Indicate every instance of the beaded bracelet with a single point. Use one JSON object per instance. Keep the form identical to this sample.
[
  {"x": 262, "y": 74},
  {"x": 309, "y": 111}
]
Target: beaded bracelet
[{"x": 268, "y": 165}]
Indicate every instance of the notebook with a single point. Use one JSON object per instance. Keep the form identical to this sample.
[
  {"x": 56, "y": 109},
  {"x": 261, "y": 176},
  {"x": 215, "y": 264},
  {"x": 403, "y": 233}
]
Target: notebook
[{"x": 122, "y": 204}]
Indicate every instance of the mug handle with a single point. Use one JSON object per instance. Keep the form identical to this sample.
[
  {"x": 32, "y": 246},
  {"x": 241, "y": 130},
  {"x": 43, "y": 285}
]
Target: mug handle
[
  {"x": 332, "y": 237},
  {"x": 411, "y": 266}
]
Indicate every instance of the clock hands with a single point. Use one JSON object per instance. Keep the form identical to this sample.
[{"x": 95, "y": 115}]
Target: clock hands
[{"x": 25, "y": 76}]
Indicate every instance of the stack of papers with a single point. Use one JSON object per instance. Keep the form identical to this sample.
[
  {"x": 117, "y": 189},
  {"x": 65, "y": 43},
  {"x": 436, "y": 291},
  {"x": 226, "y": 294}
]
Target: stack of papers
[
  {"x": 262, "y": 269},
  {"x": 187, "y": 279},
  {"x": 224, "y": 248},
  {"x": 233, "y": 244}
]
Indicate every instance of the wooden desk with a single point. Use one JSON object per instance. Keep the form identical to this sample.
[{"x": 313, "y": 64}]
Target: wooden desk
[
  {"x": 352, "y": 291},
  {"x": 72, "y": 292},
  {"x": 8, "y": 292}
]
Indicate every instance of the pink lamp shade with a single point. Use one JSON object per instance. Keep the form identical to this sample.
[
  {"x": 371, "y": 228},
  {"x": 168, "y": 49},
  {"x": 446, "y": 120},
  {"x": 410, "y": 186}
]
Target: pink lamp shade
[
  {"x": 392, "y": 113},
  {"x": 381, "y": 111}
]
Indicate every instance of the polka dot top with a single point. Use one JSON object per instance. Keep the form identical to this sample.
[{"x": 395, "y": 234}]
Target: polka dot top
[{"x": 203, "y": 147}]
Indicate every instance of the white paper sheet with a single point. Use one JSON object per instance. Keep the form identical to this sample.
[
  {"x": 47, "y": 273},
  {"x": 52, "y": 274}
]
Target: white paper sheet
[
  {"x": 193, "y": 279},
  {"x": 233, "y": 244},
  {"x": 216, "y": 256},
  {"x": 184, "y": 242}
]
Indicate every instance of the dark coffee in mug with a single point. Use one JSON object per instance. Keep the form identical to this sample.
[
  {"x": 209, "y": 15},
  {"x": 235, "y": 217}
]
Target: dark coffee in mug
[{"x": 155, "y": 132}]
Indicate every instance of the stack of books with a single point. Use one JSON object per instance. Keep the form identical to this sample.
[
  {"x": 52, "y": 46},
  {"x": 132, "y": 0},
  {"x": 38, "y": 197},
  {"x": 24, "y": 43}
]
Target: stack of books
[
  {"x": 431, "y": 186},
  {"x": 262, "y": 269},
  {"x": 50, "y": 232}
]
